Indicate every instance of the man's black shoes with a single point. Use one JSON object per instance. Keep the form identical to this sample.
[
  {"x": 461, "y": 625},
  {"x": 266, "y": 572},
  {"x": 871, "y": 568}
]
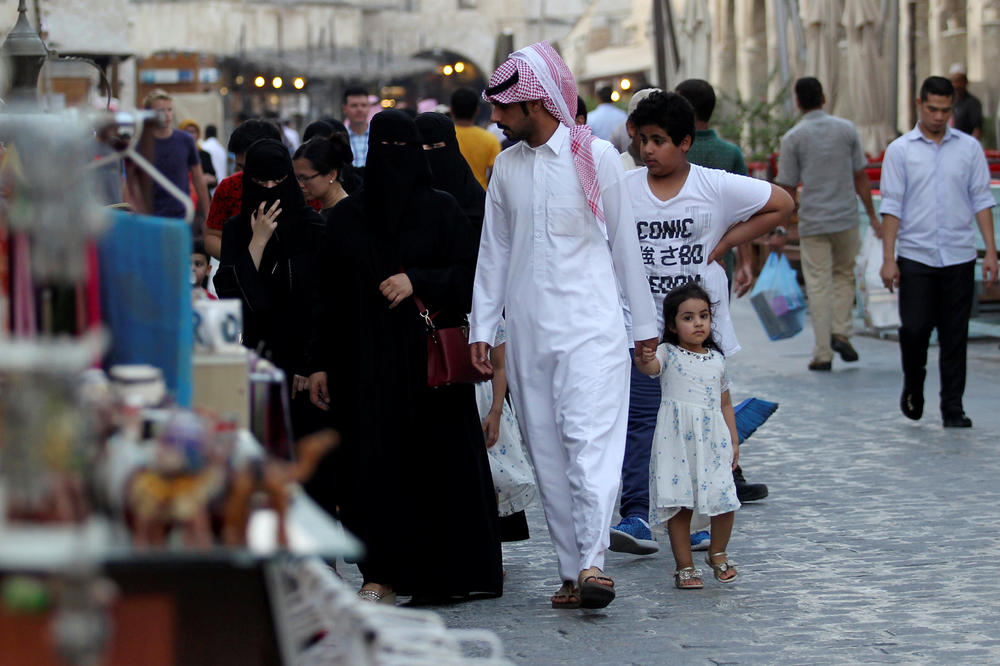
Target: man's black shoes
[
  {"x": 748, "y": 492},
  {"x": 843, "y": 347},
  {"x": 911, "y": 404},
  {"x": 959, "y": 420}
]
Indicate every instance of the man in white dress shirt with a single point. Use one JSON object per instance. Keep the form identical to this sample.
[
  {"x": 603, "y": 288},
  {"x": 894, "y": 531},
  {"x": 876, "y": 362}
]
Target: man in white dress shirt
[{"x": 557, "y": 241}]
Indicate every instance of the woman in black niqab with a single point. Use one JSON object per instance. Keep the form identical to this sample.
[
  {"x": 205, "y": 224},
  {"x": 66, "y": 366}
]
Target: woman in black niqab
[
  {"x": 451, "y": 172},
  {"x": 412, "y": 459},
  {"x": 267, "y": 259}
]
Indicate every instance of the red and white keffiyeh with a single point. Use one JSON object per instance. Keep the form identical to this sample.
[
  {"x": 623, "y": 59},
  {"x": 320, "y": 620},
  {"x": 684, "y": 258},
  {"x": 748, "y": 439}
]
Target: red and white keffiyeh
[{"x": 542, "y": 74}]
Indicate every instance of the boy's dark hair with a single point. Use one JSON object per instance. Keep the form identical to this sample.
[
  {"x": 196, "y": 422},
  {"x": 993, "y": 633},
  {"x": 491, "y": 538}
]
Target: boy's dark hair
[
  {"x": 198, "y": 247},
  {"x": 936, "y": 85},
  {"x": 701, "y": 94},
  {"x": 604, "y": 94},
  {"x": 249, "y": 132},
  {"x": 211, "y": 131},
  {"x": 581, "y": 108},
  {"x": 672, "y": 303},
  {"x": 809, "y": 92},
  {"x": 669, "y": 111},
  {"x": 355, "y": 91},
  {"x": 464, "y": 104}
]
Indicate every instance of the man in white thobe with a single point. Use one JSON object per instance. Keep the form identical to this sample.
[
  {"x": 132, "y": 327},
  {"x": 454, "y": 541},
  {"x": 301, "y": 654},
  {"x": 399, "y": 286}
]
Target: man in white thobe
[{"x": 557, "y": 242}]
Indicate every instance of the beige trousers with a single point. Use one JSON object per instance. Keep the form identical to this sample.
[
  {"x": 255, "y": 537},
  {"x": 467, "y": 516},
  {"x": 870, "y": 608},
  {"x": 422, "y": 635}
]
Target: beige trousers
[{"x": 828, "y": 266}]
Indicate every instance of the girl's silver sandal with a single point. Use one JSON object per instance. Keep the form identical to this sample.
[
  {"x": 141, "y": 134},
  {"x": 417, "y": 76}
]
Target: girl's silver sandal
[
  {"x": 684, "y": 575},
  {"x": 722, "y": 567},
  {"x": 377, "y": 597}
]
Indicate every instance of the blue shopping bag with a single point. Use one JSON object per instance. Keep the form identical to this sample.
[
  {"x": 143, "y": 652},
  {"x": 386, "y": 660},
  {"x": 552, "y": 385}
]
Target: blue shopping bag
[{"x": 778, "y": 300}]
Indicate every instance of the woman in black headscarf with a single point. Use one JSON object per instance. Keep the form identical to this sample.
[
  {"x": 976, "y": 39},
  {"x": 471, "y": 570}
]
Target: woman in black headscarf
[
  {"x": 453, "y": 175},
  {"x": 411, "y": 476},
  {"x": 267, "y": 259},
  {"x": 450, "y": 171}
]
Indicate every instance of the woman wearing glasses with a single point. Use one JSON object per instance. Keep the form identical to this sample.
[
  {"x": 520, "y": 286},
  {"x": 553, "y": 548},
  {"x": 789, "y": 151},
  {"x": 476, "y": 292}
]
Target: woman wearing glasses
[{"x": 319, "y": 165}]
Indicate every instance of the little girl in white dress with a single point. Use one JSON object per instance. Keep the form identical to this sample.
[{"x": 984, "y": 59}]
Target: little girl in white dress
[
  {"x": 513, "y": 477},
  {"x": 695, "y": 445}
]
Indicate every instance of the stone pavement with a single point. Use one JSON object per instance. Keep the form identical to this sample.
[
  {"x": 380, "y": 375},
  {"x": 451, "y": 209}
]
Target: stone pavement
[{"x": 879, "y": 543}]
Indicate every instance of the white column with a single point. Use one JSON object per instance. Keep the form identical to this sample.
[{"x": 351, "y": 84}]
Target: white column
[{"x": 723, "y": 67}]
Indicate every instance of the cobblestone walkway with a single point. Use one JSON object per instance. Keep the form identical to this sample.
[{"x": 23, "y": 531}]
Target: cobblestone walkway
[{"x": 879, "y": 543}]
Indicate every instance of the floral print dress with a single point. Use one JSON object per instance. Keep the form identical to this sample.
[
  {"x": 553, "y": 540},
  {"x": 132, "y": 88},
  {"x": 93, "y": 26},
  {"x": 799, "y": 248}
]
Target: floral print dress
[
  {"x": 513, "y": 477},
  {"x": 692, "y": 455}
]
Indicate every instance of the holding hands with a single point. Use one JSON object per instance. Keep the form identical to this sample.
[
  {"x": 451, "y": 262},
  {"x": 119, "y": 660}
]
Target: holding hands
[
  {"x": 645, "y": 356},
  {"x": 480, "y": 352}
]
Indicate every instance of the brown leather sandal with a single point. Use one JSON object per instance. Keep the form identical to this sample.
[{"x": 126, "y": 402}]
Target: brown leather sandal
[
  {"x": 596, "y": 590},
  {"x": 567, "y": 597}
]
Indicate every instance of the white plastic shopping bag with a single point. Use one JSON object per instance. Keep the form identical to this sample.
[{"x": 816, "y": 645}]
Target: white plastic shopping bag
[{"x": 880, "y": 305}]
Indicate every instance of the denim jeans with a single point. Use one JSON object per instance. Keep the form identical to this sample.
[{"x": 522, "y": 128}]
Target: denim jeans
[{"x": 644, "y": 403}]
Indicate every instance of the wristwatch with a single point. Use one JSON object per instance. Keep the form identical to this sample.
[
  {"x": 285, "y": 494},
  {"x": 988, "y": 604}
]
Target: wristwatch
[{"x": 779, "y": 231}]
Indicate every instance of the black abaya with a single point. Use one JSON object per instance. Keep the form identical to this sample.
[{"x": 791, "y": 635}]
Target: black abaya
[
  {"x": 276, "y": 295},
  {"x": 451, "y": 172},
  {"x": 411, "y": 476}
]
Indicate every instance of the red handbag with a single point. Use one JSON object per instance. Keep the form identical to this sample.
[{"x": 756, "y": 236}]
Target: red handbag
[{"x": 449, "y": 360}]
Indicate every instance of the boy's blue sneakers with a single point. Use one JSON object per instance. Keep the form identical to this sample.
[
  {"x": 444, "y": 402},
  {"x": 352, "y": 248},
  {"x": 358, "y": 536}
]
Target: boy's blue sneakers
[
  {"x": 632, "y": 535},
  {"x": 700, "y": 540}
]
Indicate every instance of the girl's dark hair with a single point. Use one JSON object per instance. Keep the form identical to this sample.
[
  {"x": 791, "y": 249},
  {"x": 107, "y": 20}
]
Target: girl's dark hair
[
  {"x": 326, "y": 155},
  {"x": 672, "y": 303}
]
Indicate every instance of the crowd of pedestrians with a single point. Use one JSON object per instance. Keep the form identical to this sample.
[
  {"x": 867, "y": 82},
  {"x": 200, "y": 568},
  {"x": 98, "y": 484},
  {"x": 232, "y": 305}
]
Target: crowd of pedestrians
[{"x": 594, "y": 281}]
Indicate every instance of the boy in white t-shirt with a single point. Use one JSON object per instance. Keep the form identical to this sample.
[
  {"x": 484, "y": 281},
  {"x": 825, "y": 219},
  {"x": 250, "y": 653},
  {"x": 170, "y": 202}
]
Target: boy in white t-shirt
[{"x": 687, "y": 217}]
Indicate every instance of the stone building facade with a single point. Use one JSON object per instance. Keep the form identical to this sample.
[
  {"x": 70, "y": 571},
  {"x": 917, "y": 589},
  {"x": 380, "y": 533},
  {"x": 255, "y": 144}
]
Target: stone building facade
[{"x": 336, "y": 39}]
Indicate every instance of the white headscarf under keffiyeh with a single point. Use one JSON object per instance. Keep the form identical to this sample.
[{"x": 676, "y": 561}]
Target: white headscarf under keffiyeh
[{"x": 537, "y": 72}]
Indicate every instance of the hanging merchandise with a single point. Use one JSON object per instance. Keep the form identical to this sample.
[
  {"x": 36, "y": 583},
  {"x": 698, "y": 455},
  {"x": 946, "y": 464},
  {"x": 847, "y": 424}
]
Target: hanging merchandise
[{"x": 145, "y": 265}]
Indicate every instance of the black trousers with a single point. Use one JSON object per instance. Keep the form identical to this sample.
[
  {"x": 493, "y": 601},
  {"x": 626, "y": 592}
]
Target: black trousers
[{"x": 938, "y": 298}]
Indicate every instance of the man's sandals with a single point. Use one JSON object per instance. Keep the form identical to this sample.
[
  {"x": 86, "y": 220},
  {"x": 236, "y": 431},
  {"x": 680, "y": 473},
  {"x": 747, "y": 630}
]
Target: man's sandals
[
  {"x": 566, "y": 597},
  {"x": 596, "y": 589}
]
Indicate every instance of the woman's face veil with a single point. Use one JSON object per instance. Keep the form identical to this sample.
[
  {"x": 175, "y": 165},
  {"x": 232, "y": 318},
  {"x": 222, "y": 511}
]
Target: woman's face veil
[
  {"x": 269, "y": 176},
  {"x": 396, "y": 165}
]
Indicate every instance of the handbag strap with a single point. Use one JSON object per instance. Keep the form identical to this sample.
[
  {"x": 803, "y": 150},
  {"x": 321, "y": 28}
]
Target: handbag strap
[
  {"x": 425, "y": 313},
  {"x": 421, "y": 308}
]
